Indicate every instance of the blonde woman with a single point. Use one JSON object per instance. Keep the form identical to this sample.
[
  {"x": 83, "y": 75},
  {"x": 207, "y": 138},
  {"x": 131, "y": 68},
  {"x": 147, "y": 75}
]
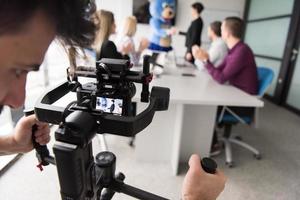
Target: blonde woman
[
  {"x": 104, "y": 47},
  {"x": 125, "y": 40}
]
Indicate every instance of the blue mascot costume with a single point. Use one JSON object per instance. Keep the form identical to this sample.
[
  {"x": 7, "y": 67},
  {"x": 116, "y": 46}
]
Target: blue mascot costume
[{"x": 162, "y": 12}]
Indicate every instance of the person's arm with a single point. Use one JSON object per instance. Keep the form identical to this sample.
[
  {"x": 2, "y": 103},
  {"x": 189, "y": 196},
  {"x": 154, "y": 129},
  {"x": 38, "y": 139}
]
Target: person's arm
[
  {"x": 20, "y": 140},
  {"x": 7, "y": 145},
  {"x": 220, "y": 67},
  {"x": 135, "y": 57},
  {"x": 229, "y": 69},
  {"x": 182, "y": 33},
  {"x": 199, "y": 185},
  {"x": 135, "y": 54}
]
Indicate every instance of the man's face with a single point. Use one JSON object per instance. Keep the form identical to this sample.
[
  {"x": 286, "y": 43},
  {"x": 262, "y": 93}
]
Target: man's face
[
  {"x": 194, "y": 13},
  {"x": 21, "y": 53},
  {"x": 224, "y": 32},
  {"x": 209, "y": 33}
]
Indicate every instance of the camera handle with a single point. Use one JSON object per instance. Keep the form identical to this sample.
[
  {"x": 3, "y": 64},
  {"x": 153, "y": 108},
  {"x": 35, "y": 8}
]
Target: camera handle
[
  {"x": 109, "y": 183},
  {"x": 42, "y": 152}
]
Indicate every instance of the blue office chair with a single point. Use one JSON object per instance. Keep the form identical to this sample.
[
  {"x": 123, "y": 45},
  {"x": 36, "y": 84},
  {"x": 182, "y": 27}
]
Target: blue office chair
[{"x": 228, "y": 118}]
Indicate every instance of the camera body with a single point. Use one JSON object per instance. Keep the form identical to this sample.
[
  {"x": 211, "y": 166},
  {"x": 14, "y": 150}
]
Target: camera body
[{"x": 112, "y": 92}]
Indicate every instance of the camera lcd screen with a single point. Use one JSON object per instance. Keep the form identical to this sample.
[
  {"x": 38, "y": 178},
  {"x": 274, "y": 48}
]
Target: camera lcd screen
[{"x": 109, "y": 105}]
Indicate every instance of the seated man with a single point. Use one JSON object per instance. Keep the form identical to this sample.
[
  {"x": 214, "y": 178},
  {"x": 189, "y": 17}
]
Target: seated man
[
  {"x": 217, "y": 50},
  {"x": 238, "y": 68}
]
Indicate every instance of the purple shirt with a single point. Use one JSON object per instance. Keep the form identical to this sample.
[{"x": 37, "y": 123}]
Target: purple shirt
[{"x": 238, "y": 68}]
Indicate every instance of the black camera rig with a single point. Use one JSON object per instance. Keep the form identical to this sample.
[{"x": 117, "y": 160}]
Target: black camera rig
[{"x": 81, "y": 176}]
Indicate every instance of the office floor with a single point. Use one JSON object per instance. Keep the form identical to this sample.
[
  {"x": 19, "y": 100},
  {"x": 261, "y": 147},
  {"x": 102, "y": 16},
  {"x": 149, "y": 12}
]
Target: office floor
[{"x": 276, "y": 176}]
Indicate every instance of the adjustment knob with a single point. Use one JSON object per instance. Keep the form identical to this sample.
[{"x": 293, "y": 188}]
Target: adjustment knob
[
  {"x": 105, "y": 159},
  {"x": 106, "y": 167},
  {"x": 209, "y": 165}
]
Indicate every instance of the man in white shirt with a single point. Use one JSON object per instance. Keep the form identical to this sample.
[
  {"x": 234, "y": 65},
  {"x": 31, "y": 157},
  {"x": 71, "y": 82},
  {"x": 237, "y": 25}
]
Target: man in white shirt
[{"x": 218, "y": 49}]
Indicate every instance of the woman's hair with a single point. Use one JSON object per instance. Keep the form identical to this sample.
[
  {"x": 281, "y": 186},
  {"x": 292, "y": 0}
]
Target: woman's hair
[
  {"x": 130, "y": 26},
  {"x": 72, "y": 18},
  {"x": 105, "y": 20}
]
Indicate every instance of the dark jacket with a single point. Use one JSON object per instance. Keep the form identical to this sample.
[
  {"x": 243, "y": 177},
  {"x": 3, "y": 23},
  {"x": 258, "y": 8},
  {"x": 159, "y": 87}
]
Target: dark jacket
[
  {"x": 193, "y": 35},
  {"x": 109, "y": 50}
]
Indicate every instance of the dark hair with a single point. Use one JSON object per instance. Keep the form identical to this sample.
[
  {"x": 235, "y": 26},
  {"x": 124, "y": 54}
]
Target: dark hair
[
  {"x": 235, "y": 25},
  {"x": 72, "y": 18},
  {"x": 198, "y": 6},
  {"x": 216, "y": 27}
]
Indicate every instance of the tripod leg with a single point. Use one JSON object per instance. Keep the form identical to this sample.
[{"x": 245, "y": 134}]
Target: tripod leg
[{"x": 107, "y": 194}]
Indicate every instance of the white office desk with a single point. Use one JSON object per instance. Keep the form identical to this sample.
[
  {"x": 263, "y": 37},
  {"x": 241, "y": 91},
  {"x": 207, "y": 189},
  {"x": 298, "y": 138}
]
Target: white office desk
[{"x": 187, "y": 127}]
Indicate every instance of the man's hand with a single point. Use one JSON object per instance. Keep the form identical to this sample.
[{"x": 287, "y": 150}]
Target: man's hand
[
  {"x": 199, "y": 185},
  {"x": 195, "y": 50},
  {"x": 188, "y": 56},
  {"x": 22, "y": 137},
  {"x": 199, "y": 53}
]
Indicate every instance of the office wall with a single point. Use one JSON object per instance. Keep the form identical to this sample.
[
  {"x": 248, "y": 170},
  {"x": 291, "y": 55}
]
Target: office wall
[{"x": 214, "y": 10}]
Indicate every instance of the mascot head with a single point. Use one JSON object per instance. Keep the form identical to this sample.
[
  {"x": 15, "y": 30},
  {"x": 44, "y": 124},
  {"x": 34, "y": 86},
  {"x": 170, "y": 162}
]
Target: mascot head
[{"x": 162, "y": 9}]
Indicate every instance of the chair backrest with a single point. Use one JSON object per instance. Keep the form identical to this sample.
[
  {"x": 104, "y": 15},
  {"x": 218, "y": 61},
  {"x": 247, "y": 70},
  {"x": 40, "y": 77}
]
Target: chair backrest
[{"x": 265, "y": 78}]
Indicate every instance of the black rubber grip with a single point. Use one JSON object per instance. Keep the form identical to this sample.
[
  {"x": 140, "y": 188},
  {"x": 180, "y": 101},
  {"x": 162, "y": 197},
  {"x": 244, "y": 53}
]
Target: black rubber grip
[
  {"x": 146, "y": 70},
  {"x": 41, "y": 150},
  {"x": 209, "y": 165}
]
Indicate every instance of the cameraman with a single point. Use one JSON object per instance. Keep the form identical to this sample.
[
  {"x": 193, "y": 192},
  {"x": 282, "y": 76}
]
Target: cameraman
[{"x": 26, "y": 30}]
